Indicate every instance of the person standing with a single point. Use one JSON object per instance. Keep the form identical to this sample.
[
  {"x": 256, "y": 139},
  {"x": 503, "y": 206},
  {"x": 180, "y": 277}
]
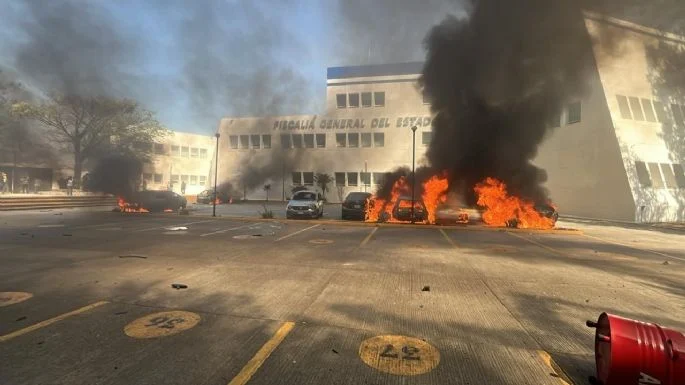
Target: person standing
[
  {"x": 36, "y": 185},
  {"x": 183, "y": 187},
  {"x": 3, "y": 183},
  {"x": 25, "y": 184},
  {"x": 70, "y": 186}
]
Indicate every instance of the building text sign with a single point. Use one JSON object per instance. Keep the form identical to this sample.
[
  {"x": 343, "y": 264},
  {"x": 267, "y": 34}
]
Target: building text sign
[{"x": 341, "y": 124}]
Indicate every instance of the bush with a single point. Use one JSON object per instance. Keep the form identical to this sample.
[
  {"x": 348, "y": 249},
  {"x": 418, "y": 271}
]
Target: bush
[{"x": 266, "y": 213}]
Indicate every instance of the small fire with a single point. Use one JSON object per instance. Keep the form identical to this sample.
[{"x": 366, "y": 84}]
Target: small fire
[
  {"x": 126, "y": 207},
  {"x": 217, "y": 201},
  {"x": 502, "y": 209},
  {"x": 434, "y": 193}
]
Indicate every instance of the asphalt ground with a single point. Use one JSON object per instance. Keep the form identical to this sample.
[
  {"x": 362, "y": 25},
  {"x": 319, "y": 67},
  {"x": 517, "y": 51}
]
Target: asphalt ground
[{"x": 86, "y": 297}]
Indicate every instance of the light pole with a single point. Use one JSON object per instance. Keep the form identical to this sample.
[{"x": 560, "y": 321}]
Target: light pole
[
  {"x": 366, "y": 175},
  {"x": 413, "y": 169},
  {"x": 216, "y": 169}
]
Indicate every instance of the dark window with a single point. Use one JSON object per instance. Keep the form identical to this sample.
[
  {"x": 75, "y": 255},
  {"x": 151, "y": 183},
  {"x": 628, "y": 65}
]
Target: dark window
[
  {"x": 244, "y": 142},
  {"x": 660, "y": 111},
  {"x": 297, "y": 178},
  {"x": 636, "y": 108},
  {"x": 679, "y": 175},
  {"x": 624, "y": 107},
  {"x": 193, "y": 179},
  {"x": 555, "y": 120},
  {"x": 677, "y": 115},
  {"x": 379, "y": 99},
  {"x": 174, "y": 179},
  {"x": 203, "y": 153},
  {"x": 175, "y": 151},
  {"x": 426, "y": 98},
  {"x": 159, "y": 148},
  {"x": 185, "y": 151},
  {"x": 339, "y": 178},
  {"x": 574, "y": 113},
  {"x": 366, "y": 99},
  {"x": 194, "y": 152},
  {"x": 366, "y": 139},
  {"x": 342, "y": 100},
  {"x": 254, "y": 140},
  {"x": 297, "y": 140},
  {"x": 669, "y": 176},
  {"x": 234, "y": 141},
  {"x": 353, "y": 139},
  {"x": 657, "y": 180},
  {"x": 426, "y": 138},
  {"x": 642, "y": 174},
  {"x": 308, "y": 140},
  {"x": 308, "y": 178},
  {"x": 158, "y": 178},
  {"x": 285, "y": 141},
  {"x": 304, "y": 196},
  {"x": 649, "y": 111},
  {"x": 147, "y": 177},
  {"x": 184, "y": 178},
  {"x": 353, "y": 100},
  {"x": 352, "y": 178},
  {"x": 365, "y": 178},
  {"x": 379, "y": 139},
  {"x": 341, "y": 140},
  {"x": 203, "y": 180},
  {"x": 320, "y": 140},
  {"x": 378, "y": 177},
  {"x": 266, "y": 141}
]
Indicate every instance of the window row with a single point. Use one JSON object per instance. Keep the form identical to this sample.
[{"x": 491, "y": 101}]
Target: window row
[
  {"x": 193, "y": 180},
  {"x": 573, "y": 115},
  {"x": 245, "y": 142},
  {"x": 363, "y": 140},
  {"x": 660, "y": 175},
  {"x": 354, "y": 179},
  {"x": 182, "y": 151},
  {"x": 642, "y": 109},
  {"x": 367, "y": 99}
]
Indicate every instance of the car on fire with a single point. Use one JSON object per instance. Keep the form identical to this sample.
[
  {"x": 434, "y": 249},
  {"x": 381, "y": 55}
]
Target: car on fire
[
  {"x": 305, "y": 204},
  {"x": 448, "y": 215},
  {"x": 354, "y": 206},
  {"x": 544, "y": 209},
  {"x": 402, "y": 211},
  {"x": 208, "y": 196},
  {"x": 156, "y": 201}
]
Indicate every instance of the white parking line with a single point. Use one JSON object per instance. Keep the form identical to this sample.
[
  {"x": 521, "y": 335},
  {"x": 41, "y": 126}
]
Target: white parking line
[
  {"x": 49, "y": 226},
  {"x": 295, "y": 233},
  {"x": 180, "y": 224},
  {"x": 225, "y": 230}
]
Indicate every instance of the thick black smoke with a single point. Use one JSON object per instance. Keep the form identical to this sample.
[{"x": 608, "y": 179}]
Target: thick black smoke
[{"x": 117, "y": 175}]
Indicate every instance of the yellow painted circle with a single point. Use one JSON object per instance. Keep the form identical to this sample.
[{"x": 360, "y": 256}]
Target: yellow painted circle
[
  {"x": 401, "y": 355},
  {"x": 162, "y": 324},
  {"x": 11, "y": 297},
  {"x": 321, "y": 241}
]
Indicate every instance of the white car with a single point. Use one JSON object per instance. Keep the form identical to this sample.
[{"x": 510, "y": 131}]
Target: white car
[{"x": 305, "y": 204}]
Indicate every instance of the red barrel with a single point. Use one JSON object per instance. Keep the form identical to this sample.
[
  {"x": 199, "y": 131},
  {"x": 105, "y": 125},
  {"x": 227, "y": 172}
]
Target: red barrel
[{"x": 629, "y": 352}]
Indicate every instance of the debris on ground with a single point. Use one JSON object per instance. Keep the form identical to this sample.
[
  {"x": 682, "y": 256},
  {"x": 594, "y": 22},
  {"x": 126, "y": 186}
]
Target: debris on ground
[
  {"x": 587, "y": 300},
  {"x": 426, "y": 288},
  {"x": 335, "y": 351},
  {"x": 179, "y": 286},
  {"x": 666, "y": 263},
  {"x": 177, "y": 228},
  {"x": 133, "y": 256},
  {"x": 66, "y": 235},
  {"x": 20, "y": 318},
  {"x": 57, "y": 213},
  {"x": 420, "y": 306},
  {"x": 120, "y": 312}
]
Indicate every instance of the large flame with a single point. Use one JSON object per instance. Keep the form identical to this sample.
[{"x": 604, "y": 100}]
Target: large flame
[
  {"x": 126, "y": 207},
  {"x": 434, "y": 193},
  {"x": 502, "y": 209}
]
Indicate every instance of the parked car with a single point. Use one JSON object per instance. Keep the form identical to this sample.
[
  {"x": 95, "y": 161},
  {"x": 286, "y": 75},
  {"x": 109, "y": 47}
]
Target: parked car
[
  {"x": 208, "y": 196},
  {"x": 546, "y": 210},
  {"x": 354, "y": 206},
  {"x": 155, "y": 201},
  {"x": 447, "y": 215},
  {"x": 305, "y": 204},
  {"x": 403, "y": 212}
]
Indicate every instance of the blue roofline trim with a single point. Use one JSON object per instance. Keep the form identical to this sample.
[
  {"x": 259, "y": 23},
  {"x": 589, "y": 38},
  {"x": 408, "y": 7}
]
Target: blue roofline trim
[{"x": 411, "y": 68}]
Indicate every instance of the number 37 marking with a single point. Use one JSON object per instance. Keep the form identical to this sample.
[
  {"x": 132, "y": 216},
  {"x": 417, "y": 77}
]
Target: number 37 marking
[{"x": 408, "y": 352}]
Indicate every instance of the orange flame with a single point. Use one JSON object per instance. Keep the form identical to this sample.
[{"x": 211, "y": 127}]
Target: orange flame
[
  {"x": 502, "y": 209},
  {"x": 434, "y": 193},
  {"x": 126, "y": 207}
]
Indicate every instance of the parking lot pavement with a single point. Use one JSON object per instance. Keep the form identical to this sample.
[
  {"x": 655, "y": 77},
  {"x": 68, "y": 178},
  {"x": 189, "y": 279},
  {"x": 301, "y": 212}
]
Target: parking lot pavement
[{"x": 87, "y": 297}]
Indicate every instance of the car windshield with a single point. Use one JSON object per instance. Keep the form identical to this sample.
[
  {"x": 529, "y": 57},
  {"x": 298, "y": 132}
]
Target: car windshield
[
  {"x": 357, "y": 197},
  {"x": 304, "y": 196}
]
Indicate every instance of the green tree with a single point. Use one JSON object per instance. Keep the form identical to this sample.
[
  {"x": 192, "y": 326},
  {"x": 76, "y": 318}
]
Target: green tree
[
  {"x": 92, "y": 126},
  {"x": 323, "y": 180}
]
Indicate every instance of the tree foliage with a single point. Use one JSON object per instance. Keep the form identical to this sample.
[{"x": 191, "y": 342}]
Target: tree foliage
[{"x": 323, "y": 180}]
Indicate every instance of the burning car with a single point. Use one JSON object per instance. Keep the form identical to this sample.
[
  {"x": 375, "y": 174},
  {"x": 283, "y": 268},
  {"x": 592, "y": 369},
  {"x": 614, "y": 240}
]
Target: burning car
[
  {"x": 154, "y": 201},
  {"x": 545, "y": 210},
  {"x": 208, "y": 196},
  {"x": 403, "y": 210},
  {"x": 305, "y": 204},
  {"x": 447, "y": 215},
  {"x": 354, "y": 205}
]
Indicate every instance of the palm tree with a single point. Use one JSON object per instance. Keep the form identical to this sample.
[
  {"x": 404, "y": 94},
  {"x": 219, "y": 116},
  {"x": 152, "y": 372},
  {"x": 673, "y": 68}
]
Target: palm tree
[
  {"x": 267, "y": 187},
  {"x": 323, "y": 180}
]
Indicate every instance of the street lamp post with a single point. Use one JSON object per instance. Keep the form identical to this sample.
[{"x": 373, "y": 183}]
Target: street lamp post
[
  {"x": 413, "y": 169},
  {"x": 216, "y": 173},
  {"x": 366, "y": 175}
]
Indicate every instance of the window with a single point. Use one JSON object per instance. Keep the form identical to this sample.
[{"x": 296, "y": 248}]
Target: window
[
  {"x": 366, "y": 178},
  {"x": 669, "y": 176},
  {"x": 185, "y": 151},
  {"x": 147, "y": 177},
  {"x": 378, "y": 178},
  {"x": 341, "y": 140},
  {"x": 203, "y": 180},
  {"x": 352, "y": 178},
  {"x": 426, "y": 138},
  {"x": 308, "y": 178},
  {"x": 184, "y": 178},
  {"x": 320, "y": 140},
  {"x": 297, "y": 178},
  {"x": 175, "y": 151},
  {"x": 308, "y": 140},
  {"x": 339, "y": 178},
  {"x": 285, "y": 141},
  {"x": 353, "y": 100},
  {"x": 654, "y": 171},
  {"x": 297, "y": 140},
  {"x": 366, "y": 99},
  {"x": 254, "y": 140},
  {"x": 203, "y": 153},
  {"x": 158, "y": 178},
  {"x": 159, "y": 148},
  {"x": 379, "y": 99},
  {"x": 353, "y": 139},
  {"x": 244, "y": 142},
  {"x": 677, "y": 114},
  {"x": 624, "y": 107},
  {"x": 660, "y": 111},
  {"x": 636, "y": 108},
  {"x": 679, "y": 175},
  {"x": 174, "y": 179},
  {"x": 366, "y": 139},
  {"x": 649, "y": 111},
  {"x": 643, "y": 174},
  {"x": 194, "y": 152},
  {"x": 574, "y": 112},
  {"x": 342, "y": 100},
  {"x": 193, "y": 179},
  {"x": 234, "y": 141},
  {"x": 554, "y": 120},
  {"x": 266, "y": 141},
  {"x": 378, "y": 139},
  {"x": 426, "y": 98}
]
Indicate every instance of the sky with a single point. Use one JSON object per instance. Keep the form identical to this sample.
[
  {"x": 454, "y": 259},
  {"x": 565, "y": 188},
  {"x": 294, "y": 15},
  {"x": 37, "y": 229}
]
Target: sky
[{"x": 192, "y": 62}]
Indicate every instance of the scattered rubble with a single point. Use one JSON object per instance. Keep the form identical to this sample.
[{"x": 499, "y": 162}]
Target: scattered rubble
[
  {"x": 179, "y": 286},
  {"x": 426, "y": 288},
  {"x": 133, "y": 256}
]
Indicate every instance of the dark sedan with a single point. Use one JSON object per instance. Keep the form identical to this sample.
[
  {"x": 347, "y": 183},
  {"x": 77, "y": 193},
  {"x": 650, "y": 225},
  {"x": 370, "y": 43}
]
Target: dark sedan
[
  {"x": 403, "y": 210},
  {"x": 156, "y": 201},
  {"x": 208, "y": 196},
  {"x": 354, "y": 205}
]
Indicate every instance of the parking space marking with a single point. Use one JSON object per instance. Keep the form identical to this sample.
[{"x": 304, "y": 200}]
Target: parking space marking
[
  {"x": 368, "y": 237},
  {"x": 399, "y": 355},
  {"x": 111, "y": 224},
  {"x": 260, "y": 357},
  {"x": 162, "y": 324},
  {"x": 449, "y": 240},
  {"x": 295, "y": 233},
  {"x": 555, "y": 368},
  {"x": 555, "y": 251},
  {"x": 11, "y": 297},
  {"x": 50, "y": 321},
  {"x": 180, "y": 224},
  {"x": 225, "y": 230},
  {"x": 634, "y": 248}
]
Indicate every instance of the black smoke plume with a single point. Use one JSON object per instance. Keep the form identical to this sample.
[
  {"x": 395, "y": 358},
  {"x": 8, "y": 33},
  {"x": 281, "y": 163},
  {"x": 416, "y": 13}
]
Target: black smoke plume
[{"x": 115, "y": 174}]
